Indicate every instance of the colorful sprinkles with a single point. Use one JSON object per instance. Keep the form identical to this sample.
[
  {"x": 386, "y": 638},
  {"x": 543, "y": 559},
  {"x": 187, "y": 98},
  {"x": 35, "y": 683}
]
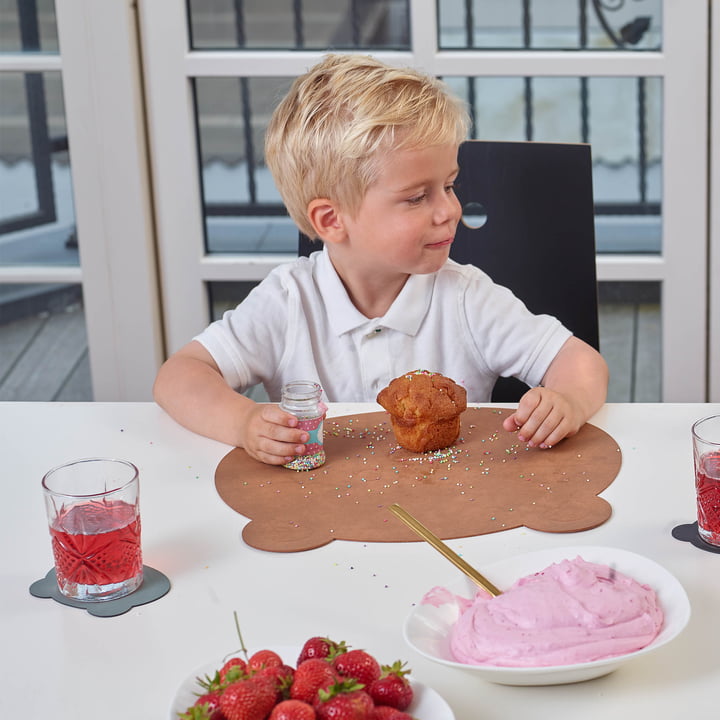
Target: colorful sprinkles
[{"x": 307, "y": 462}]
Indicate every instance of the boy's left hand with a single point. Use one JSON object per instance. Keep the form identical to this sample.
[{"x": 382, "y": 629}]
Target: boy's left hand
[
  {"x": 572, "y": 390},
  {"x": 544, "y": 417}
]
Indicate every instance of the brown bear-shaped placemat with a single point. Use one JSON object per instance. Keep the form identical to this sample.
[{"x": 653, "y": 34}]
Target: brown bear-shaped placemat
[{"x": 488, "y": 481}]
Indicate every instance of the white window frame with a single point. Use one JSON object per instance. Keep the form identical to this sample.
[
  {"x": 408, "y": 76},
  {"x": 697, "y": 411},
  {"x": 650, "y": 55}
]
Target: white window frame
[{"x": 113, "y": 206}]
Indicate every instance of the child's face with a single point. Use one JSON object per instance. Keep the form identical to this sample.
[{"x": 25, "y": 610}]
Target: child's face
[{"x": 406, "y": 222}]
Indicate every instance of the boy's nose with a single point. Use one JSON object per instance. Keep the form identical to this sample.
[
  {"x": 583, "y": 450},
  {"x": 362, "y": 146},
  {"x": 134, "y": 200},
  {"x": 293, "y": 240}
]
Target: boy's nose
[{"x": 447, "y": 208}]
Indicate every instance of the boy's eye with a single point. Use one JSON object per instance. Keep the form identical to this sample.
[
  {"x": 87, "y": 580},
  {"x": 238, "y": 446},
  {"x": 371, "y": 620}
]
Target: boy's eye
[
  {"x": 417, "y": 199},
  {"x": 451, "y": 187}
]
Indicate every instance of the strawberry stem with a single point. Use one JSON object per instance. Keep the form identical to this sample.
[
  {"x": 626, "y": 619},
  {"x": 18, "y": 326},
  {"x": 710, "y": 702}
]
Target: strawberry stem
[{"x": 237, "y": 627}]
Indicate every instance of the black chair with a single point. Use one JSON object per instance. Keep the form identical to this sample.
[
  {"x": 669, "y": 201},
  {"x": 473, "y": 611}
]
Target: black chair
[{"x": 528, "y": 222}]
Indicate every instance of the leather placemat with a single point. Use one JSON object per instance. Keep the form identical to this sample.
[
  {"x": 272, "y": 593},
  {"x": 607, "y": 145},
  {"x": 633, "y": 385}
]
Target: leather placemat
[{"x": 487, "y": 482}]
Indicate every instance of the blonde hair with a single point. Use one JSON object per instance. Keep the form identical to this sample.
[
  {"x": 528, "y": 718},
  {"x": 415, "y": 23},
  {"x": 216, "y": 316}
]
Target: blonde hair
[{"x": 326, "y": 137}]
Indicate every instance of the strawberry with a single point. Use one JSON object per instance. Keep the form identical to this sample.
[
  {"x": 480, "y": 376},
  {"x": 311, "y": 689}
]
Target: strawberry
[
  {"x": 282, "y": 674},
  {"x": 281, "y": 677},
  {"x": 234, "y": 669},
  {"x": 385, "y": 712},
  {"x": 293, "y": 710},
  {"x": 358, "y": 664},
  {"x": 206, "y": 707},
  {"x": 345, "y": 700},
  {"x": 320, "y": 647},
  {"x": 392, "y": 687},
  {"x": 311, "y": 676},
  {"x": 211, "y": 700},
  {"x": 249, "y": 699},
  {"x": 264, "y": 658}
]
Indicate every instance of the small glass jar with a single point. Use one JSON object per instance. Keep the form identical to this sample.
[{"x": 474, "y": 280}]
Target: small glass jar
[{"x": 302, "y": 399}]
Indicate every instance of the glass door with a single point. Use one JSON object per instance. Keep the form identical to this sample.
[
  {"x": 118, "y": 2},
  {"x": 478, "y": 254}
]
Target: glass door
[{"x": 79, "y": 300}]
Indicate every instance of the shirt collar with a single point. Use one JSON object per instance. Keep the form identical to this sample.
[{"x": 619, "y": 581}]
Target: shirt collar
[{"x": 405, "y": 314}]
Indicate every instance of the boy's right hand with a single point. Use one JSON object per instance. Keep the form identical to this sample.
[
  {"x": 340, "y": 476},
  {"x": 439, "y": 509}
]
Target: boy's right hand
[
  {"x": 270, "y": 435},
  {"x": 191, "y": 388}
]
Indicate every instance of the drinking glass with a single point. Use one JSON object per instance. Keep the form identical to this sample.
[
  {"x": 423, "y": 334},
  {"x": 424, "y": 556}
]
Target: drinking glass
[
  {"x": 94, "y": 519},
  {"x": 706, "y": 454}
]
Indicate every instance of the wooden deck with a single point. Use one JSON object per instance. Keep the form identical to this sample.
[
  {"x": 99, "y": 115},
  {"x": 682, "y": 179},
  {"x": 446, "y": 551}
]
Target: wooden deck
[{"x": 45, "y": 357}]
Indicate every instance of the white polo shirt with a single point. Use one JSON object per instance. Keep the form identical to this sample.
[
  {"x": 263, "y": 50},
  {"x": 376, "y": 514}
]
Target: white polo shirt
[{"x": 300, "y": 324}]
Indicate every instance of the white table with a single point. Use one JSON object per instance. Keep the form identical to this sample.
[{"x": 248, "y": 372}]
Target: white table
[{"x": 61, "y": 662}]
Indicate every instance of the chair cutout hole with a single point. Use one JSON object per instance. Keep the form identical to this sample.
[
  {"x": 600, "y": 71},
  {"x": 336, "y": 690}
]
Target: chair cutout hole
[{"x": 474, "y": 215}]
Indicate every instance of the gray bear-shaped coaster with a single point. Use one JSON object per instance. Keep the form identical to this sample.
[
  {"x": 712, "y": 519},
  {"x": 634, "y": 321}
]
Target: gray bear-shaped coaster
[
  {"x": 153, "y": 587},
  {"x": 689, "y": 533}
]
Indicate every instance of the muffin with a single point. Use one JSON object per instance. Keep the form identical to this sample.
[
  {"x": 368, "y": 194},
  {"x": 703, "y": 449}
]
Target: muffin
[{"x": 424, "y": 409}]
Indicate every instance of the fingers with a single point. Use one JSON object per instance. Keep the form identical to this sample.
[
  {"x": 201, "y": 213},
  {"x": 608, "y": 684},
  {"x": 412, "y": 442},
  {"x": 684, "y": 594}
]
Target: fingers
[
  {"x": 272, "y": 436},
  {"x": 544, "y": 432},
  {"x": 526, "y": 407},
  {"x": 543, "y": 418}
]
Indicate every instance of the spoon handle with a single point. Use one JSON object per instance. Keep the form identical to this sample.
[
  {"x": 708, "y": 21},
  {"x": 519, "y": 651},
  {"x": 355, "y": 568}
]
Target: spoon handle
[{"x": 442, "y": 548}]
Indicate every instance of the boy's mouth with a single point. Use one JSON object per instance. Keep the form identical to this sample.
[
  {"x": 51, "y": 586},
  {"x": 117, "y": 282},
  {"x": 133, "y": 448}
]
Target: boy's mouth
[{"x": 441, "y": 243}]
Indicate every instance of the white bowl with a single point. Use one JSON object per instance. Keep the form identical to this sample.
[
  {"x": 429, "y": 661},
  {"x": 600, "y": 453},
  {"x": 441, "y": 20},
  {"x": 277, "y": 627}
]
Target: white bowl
[
  {"x": 426, "y": 705},
  {"x": 427, "y": 628}
]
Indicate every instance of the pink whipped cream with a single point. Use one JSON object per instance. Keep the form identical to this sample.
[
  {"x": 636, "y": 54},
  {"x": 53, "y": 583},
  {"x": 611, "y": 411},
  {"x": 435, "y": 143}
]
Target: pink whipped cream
[{"x": 572, "y": 612}]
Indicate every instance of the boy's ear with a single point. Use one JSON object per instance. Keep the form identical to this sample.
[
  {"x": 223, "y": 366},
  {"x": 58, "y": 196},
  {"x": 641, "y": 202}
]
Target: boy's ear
[{"x": 325, "y": 219}]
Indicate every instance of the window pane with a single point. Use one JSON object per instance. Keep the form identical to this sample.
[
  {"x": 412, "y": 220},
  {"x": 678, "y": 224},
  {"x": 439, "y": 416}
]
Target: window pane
[
  {"x": 243, "y": 210},
  {"x": 44, "y": 352},
  {"x": 310, "y": 25},
  {"x": 556, "y": 25},
  {"x": 225, "y": 296},
  {"x": 37, "y": 219},
  {"x": 28, "y": 25},
  {"x": 630, "y": 339},
  {"x": 619, "y": 117}
]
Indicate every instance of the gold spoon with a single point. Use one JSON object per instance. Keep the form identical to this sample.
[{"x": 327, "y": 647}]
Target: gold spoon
[{"x": 442, "y": 548}]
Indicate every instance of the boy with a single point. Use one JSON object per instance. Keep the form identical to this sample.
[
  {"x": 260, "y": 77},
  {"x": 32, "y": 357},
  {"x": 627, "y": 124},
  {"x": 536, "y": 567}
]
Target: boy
[{"x": 365, "y": 157}]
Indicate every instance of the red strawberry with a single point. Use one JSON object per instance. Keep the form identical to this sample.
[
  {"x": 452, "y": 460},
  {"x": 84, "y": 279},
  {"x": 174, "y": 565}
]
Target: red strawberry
[
  {"x": 250, "y": 699},
  {"x": 358, "y": 664},
  {"x": 206, "y": 707},
  {"x": 293, "y": 710},
  {"x": 281, "y": 677},
  {"x": 345, "y": 700},
  {"x": 392, "y": 688},
  {"x": 264, "y": 658},
  {"x": 311, "y": 676},
  {"x": 385, "y": 712},
  {"x": 320, "y": 647},
  {"x": 233, "y": 669},
  {"x": 280, "y": 673},
  {"x": 211, "y": 700}
]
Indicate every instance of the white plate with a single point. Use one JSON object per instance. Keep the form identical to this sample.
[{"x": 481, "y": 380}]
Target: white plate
[
  {"x": 426, "y": 704},
  {"x": 427, "y": 628}
]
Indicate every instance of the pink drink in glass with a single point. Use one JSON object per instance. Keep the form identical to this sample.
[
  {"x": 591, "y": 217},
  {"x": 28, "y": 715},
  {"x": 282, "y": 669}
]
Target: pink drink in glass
[
  {"x": 98, "y": 544},
  {"x": 707, "y": 485},
  {"x": 94, "y": 519}
]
